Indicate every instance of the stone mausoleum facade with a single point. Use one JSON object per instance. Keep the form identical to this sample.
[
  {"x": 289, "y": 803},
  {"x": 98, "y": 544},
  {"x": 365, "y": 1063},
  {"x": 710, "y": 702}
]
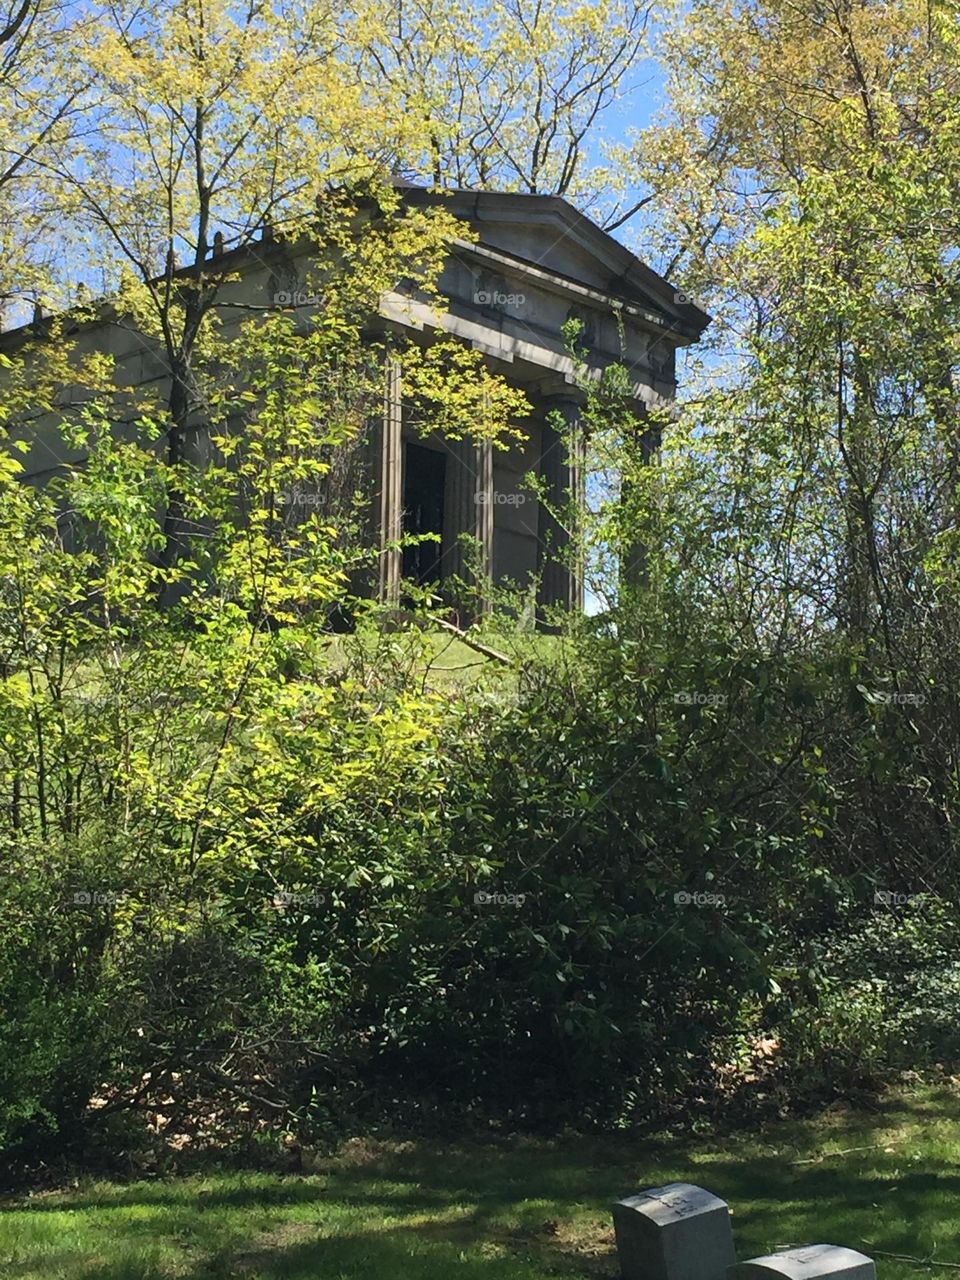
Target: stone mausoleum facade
[{"x": 536, "y": 263}]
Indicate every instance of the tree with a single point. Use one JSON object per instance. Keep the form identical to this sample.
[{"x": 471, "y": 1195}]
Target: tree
[
  {"x": 214, "y": 136},
  {"x": 806, "y": 504},
  {"x": 808, "y": 165},
  {"x": 42, "y": 98},
  {"x": 512, "y": 96}
]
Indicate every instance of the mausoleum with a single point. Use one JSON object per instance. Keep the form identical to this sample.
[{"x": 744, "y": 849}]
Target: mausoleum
[{"x": 536, "y": 263}]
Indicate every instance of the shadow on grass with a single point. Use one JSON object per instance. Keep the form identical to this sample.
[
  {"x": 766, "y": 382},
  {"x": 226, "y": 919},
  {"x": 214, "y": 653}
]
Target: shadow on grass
[
  {"x": 497, "y": 1237},
  {"x": 277, "y": 1191},
  {"x": 413, "y": 1252},
  {"x": 502, "y": 1212}
]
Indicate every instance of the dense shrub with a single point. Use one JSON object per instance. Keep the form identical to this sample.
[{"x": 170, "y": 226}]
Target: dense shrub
[
  {"x": 627, "y": 873},
  {"x": 570, "y": 892}
]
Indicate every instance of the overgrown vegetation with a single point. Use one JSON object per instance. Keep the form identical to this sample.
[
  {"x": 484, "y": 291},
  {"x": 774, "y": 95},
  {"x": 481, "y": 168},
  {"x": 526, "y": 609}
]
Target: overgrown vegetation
[{"x": 264, "y": 880}]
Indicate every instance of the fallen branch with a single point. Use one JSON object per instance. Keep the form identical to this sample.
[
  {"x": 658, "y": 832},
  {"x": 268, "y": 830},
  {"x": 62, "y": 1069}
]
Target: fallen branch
[
  {"x": 906, "y": 1257},
  {"x": 826, "y": 1155},
  {"x": 468, "y": 640}
]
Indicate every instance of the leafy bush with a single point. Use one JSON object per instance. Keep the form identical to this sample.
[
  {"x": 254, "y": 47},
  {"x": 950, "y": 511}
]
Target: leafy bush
[{"x": 886, "y": 999}]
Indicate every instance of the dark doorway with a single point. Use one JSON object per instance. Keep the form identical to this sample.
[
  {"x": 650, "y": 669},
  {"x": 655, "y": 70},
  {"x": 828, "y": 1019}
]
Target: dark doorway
[{"x": 424, "y": 474}]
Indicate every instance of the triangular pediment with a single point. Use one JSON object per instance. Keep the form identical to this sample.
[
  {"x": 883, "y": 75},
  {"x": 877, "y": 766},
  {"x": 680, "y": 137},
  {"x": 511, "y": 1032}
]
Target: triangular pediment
[{"x": 548, "y": 234}]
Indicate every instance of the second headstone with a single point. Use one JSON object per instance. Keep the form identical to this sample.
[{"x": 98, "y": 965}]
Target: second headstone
[{"x": 676, "y": 1232}]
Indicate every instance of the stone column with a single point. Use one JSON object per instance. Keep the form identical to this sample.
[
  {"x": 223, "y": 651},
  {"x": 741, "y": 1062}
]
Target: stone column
[
  {"x": 562, "y": 470},
  {"x": 485, "y": 512},
  {"x": 460, "y": 504},
  {"x": 391, "y": 485},
  {"x": 469, "y": 507},
  {"x": 643, "y": 451}
]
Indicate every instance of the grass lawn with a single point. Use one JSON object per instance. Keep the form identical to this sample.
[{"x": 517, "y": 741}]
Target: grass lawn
[{"x": 515, "y": 1210}]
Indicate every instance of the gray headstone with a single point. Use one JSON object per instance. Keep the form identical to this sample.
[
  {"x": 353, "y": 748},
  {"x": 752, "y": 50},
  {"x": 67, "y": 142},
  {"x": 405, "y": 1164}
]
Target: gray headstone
[
  {"x": 676, "y": 1232},
  {"x": 811, "y": 1262}
]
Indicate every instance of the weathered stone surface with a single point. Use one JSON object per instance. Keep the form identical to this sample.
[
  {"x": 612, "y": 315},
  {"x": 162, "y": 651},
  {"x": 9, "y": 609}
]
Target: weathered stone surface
[
  {"x": 535, "y": 264},
  {"x": 676, "y": 1232},
  {"x": 811, "y": 1262}
]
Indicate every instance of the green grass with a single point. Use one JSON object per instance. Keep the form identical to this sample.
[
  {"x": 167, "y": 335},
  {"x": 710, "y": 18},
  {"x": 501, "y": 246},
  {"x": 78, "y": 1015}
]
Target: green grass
[{"x": 516, "y": 1210}]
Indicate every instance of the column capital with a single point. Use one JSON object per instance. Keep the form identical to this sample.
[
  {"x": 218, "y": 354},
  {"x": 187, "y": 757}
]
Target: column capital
[{"x": 559, "y": 387}]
